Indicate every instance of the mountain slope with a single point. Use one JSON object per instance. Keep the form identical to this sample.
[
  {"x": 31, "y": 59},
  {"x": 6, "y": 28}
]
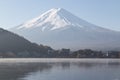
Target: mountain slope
[
  {"x": 61, "y": 29},
  {"x": 12, "y": 45}
]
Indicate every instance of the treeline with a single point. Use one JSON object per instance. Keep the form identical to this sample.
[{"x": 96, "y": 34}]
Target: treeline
[
  {"x": 47, "y": 52},
  {"x": 86, "y": 53}
]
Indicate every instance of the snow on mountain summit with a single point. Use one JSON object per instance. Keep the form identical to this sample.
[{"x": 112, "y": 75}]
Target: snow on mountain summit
[
  {"x": 51, "y": 17},
  {"x": 56, "y": 18}
]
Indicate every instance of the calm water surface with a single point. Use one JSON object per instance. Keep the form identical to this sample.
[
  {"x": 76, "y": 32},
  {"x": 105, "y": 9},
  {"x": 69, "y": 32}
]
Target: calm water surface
[{"x": 76, "y": 70}]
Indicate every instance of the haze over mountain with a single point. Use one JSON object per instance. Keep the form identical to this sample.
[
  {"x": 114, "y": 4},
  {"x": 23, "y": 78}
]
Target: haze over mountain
[
  {"x": 12, "y": 45},
  {"x": 59, "y": 28}
]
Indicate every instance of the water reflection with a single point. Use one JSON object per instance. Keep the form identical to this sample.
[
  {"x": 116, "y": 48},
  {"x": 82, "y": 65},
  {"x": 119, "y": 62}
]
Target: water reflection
[
  {"x": 23, "y": 71},
  {"x": 14, "y": 71}
]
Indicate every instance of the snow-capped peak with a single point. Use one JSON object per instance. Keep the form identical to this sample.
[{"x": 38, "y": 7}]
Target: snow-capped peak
[
  {"x": 59, "y": 28},
  {"x": 56, "y": 18},
  {"x": 52, "y": 17}
]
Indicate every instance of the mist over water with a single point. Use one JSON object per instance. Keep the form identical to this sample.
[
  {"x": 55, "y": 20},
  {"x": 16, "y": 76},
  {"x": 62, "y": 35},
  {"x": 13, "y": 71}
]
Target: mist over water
[{"x": 61, "y": 70}]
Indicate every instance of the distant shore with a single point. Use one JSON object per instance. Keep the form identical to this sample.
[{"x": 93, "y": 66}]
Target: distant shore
[{"x": 28, "y": 60}]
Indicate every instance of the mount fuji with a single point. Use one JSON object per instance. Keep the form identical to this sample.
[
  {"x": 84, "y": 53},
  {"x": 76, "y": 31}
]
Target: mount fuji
[{"x": 59, "y": 28}]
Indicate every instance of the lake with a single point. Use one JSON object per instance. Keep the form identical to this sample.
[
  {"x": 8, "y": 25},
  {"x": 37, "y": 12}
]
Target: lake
[{"x": 59, "y": 69}]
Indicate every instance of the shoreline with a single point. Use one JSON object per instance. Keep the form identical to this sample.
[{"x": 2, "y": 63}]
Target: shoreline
[{"x": 29, "y": 60}]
